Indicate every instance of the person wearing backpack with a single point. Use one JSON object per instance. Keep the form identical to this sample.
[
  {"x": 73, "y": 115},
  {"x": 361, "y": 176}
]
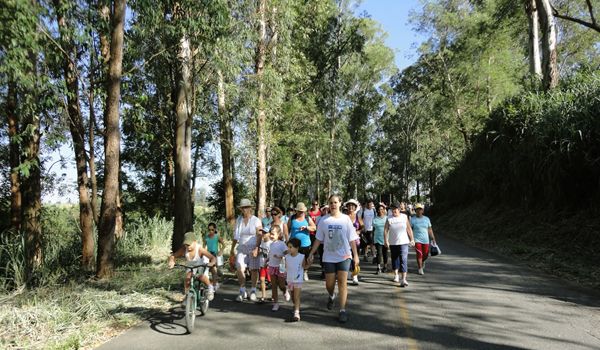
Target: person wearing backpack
[{"x": 367, "y": 215}]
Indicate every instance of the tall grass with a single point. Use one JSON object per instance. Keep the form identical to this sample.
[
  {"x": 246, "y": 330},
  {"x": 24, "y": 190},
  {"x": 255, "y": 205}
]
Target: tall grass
[{"x": 67, "y": 309}]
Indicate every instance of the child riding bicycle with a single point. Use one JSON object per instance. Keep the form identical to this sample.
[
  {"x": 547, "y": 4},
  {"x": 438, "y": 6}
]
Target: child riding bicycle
[{"x": 194, "y": 253}]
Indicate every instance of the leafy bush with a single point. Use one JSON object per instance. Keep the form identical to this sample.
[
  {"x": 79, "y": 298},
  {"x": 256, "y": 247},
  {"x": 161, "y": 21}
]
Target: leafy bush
[{"x": 539, "y": 149}]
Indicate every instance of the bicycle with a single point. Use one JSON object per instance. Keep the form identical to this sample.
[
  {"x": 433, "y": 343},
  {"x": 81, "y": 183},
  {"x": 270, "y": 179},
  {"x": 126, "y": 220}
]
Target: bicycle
[{"x": 196, "y": 296}]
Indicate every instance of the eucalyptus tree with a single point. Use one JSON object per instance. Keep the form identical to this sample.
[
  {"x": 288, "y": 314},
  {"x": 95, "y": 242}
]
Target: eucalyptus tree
[
  {"x": 69, "y": 47},
  {"x": 112, "y": 139}
]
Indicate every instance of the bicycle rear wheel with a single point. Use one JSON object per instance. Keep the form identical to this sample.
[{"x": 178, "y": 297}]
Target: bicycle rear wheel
[{"x": 190, "y": 311}]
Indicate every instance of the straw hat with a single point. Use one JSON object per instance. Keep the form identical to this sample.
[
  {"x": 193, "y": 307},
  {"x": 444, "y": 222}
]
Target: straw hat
[
  {"x": 300, "y": 207},
  {"x": 245, "y": 203}
]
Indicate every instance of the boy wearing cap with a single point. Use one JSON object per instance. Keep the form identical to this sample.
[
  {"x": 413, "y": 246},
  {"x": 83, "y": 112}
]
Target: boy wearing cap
[{"x": 194, "y": 253}]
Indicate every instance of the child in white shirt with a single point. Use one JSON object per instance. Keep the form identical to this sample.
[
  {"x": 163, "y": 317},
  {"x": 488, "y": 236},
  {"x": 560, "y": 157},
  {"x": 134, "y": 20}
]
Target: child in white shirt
[{"x": 295, "y": 265}]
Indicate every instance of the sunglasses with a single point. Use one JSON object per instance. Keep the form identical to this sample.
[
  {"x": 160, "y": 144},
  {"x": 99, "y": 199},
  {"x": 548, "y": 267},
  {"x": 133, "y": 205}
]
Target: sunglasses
[{"x": 274, "y": 213}]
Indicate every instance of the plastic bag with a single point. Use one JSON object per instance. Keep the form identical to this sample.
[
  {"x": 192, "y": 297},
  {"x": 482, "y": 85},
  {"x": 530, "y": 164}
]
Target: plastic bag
[{"x": 435, "y": 250}]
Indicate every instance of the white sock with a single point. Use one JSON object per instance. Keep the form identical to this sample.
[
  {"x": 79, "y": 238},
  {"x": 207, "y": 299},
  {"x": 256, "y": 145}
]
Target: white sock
[{"x": 242, "y": 289}]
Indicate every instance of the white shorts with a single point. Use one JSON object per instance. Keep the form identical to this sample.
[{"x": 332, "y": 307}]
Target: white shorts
[{"x": 240, "y": 261}]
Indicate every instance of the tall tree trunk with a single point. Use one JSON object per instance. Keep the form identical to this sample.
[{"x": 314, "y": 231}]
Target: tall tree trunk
[
  {"x": 226, "y": 144},
  {"x": 535, "y": 62},
  {"x": 261, "y": 53},
  {"x": 183, "y": 144},
  {"x": 549, "y": 39},
  {"x": 14, "y": 157},
  {"x": 31, "y": 185},
  {"x": 77, "y": 133},
  {"x": 92, "y": 154},
  {"x": 112, "y": 140}
]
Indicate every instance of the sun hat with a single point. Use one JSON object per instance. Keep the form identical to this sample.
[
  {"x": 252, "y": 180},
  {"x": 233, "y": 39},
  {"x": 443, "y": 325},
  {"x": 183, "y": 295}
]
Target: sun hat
[
  {"x": 245, "y": 203},
  {"x": 189, "y": 238},
  {"x": 352, "y": 201},
  {"x": 419, "y": 206},
  {"x": 300, "y": 207}
]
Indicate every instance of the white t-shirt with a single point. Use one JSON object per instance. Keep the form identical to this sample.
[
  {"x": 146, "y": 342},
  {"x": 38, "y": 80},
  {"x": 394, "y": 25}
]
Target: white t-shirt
[
  {"x": 243, "y": 233},
  {"x": 368, "y": 215},
  {"x": 336, "y": 235},
  {"x": 397, "y": 226},
  {"x": 294, "y": 269},
  {"x": 277, "y": 248}
]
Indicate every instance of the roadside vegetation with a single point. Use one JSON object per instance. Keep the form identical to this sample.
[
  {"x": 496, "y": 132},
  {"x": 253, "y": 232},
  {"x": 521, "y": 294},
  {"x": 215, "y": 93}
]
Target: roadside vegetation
[{"x": 71, "y": 309}]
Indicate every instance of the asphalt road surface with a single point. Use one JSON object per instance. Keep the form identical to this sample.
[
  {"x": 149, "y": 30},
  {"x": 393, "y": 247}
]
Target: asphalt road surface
[{"x": 467, "y": 299}]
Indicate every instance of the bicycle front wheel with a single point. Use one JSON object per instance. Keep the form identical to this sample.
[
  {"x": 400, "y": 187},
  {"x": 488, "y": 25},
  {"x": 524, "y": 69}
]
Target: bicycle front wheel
[{"x": 190, "y": 311}]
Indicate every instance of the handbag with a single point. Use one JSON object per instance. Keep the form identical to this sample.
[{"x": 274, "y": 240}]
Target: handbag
[{"x": 435, "y": 250}]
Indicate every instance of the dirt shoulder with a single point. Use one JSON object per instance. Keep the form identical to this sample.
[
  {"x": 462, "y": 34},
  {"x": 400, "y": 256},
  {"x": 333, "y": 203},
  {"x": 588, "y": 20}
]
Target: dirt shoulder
[{"x": 562, "y": 244}]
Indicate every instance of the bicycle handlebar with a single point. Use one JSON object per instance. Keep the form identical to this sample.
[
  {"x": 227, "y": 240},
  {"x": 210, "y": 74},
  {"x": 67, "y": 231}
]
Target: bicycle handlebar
[{"x": 191, "y": 267}]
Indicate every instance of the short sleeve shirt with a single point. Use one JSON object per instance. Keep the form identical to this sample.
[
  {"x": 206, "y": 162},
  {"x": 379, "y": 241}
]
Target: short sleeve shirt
[
  {"x": 294, "y": 269},
  {"x": 368, "y": 215},
  {"x": 397, "y": 230},
  {"x": 243, "y": 233},
  {"x": 277, "y": 248},
  {"x": 336, "y": 235},
  {"x": 420, "y": 228},
  {"x": 379, "y": 228}
]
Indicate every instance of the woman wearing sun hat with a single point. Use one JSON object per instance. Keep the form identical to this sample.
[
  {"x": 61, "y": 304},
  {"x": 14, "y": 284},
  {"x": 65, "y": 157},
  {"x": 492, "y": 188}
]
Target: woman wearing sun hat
[
  {"x": 299, "y": 226},
  {"x": 247, "y": 228},
  {"x": 421, "y": 226}
]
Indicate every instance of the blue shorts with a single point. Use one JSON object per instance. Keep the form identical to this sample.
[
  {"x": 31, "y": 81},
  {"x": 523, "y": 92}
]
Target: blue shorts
[{"x": 335, "y": 267}]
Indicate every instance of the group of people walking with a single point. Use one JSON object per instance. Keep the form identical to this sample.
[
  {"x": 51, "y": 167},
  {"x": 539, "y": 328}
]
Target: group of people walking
[{"x": 281, "y": 248}]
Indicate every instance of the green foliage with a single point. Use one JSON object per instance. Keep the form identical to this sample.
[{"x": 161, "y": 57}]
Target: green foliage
[
  {"x": 536, "y": 150},
  {"x": 216, "y": 198}
]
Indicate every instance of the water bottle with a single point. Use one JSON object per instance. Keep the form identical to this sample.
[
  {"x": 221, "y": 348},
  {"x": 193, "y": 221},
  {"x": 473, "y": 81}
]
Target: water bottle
[{"x": 282, "y": 265}]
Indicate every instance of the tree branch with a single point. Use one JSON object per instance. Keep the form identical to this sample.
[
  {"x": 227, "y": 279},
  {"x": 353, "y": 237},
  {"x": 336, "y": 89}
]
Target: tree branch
[
  {"x": 591, "y": 25},
  {"x": 591, "y": 10}
]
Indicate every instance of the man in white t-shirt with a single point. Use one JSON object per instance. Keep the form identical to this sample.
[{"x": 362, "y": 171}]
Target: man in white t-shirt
[{"x": 337, "y": 234}]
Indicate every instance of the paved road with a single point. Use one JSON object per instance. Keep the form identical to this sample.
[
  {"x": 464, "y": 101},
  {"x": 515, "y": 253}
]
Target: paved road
[{"x": 468, "y": 299}]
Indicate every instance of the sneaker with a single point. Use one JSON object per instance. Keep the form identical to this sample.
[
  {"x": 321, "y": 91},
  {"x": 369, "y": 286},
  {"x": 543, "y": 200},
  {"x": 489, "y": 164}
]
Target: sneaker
[
  {"x": 241, "y": 297},
  {"x": 210, "y": 294},
  {"x": 305, "y": 276},
  {"x": 404, "y": 283},
  {"x": 287, "y": 295},
  {"x": 330, "y": 300},
  {"x": 253, "y": 296},
  {"x": 295, "y": 317},
  {"x": 275, "y": 307},
  {"x": 421, "y": 272},
  {"x": 343, "y": 318},
  {"x": 217, "y": 286},
  {"x": 378, "y": 271},
  {"x": 397, "y": 278},
  {"x": 355, "y": 280}
]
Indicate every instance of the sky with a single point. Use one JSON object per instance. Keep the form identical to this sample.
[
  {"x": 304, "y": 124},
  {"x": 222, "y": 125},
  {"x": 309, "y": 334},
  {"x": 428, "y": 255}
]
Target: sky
[{"x": 393, "y": 16}]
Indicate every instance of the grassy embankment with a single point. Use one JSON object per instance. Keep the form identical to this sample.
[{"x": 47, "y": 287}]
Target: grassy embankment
[
  {"x": 71, "y": 310},
  {"x": 560, "y": 244}
]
